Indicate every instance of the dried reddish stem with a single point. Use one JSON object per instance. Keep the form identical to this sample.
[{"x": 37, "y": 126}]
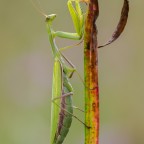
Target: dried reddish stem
[{"x": 91, "y": 75}]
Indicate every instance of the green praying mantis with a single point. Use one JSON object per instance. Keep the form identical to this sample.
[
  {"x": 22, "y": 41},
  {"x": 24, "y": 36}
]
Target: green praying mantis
[{"x": 62, "y": 90}]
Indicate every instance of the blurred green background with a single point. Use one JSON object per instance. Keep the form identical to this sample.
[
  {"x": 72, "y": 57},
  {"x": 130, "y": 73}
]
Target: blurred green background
[{"x": 26, "y": 64}]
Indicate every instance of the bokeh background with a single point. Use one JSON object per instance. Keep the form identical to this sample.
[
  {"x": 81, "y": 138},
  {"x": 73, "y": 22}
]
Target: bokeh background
[{"x": 26, "y": 65}]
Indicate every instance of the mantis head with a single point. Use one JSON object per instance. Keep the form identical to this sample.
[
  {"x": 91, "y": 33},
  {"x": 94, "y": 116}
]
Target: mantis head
[{"x": 50, "y": 18}]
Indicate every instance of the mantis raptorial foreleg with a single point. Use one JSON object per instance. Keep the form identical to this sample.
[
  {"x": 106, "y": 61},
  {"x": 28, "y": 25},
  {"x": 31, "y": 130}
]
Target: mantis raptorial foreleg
[{"x": 78, "y": 21}]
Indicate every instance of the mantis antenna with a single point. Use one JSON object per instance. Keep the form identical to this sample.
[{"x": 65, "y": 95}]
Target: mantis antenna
[{"x": 40, "y": 10}]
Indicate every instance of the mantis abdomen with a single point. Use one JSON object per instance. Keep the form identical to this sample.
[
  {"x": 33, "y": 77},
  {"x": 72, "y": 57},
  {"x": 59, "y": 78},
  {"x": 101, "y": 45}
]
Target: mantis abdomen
[{"x": 65, "y": 118}]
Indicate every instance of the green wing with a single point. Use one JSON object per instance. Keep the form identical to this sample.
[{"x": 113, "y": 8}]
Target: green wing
[{"x": 56, "y": 92}]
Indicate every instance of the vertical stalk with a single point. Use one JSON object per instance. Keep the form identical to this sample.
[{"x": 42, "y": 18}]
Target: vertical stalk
[{"x": 91, "y": 75}]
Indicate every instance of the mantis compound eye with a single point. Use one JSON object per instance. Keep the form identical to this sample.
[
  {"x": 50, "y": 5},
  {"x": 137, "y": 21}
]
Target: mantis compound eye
[{"x": 50, "y": 17}]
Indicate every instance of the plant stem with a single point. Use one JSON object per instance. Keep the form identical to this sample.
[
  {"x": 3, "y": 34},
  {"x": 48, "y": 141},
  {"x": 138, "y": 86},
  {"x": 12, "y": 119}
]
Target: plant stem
[{"x": 91, "y": 75}]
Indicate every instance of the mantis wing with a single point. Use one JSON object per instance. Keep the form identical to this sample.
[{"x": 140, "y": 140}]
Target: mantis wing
[{"x": 56, "y": 92}]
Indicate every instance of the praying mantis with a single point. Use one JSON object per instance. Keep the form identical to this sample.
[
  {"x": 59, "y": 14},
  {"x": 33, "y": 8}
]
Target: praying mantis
[{"x": 62, "y": 91}]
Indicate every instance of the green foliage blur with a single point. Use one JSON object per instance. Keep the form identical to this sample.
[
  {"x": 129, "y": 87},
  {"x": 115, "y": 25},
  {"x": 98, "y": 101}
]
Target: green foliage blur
[{"x": 26, "y": 65}]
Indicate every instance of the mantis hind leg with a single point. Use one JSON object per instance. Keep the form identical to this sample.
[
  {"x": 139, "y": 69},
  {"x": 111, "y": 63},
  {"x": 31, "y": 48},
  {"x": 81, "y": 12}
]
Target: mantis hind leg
[{"x": 66, "y": 95}]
